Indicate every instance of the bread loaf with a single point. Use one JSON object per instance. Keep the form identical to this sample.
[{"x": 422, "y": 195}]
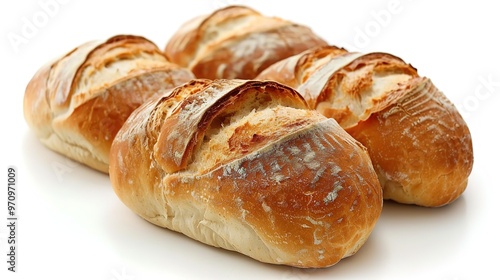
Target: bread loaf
[
  {"x": 420, "y": 146},
  {"x": 77, "y": 103},
  {"x": 237, "y": 42},
  {"x": 245, "y": 166}
]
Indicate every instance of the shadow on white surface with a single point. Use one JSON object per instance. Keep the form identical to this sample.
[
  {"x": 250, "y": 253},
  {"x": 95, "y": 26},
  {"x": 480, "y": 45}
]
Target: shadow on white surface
[
  {"x": 47, "y": 166},
  {"x": 404, "y": 236}
]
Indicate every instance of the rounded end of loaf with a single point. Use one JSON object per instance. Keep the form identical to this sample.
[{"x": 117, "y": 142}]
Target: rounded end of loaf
[
  {"x": 39, "y": 117},
  {"x": 36, "y": 109},
  {"x": 420, "y": 146},
  {"x": 265, "y": 177}
]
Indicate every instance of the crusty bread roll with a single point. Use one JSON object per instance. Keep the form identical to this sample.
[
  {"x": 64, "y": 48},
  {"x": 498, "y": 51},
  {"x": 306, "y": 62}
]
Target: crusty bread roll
[
  {"x": 237, "y": 42},
  {"x": 243, "y": 165},
  {"x": 419, "y": 144},
  {"x": 77, "y": 103}
]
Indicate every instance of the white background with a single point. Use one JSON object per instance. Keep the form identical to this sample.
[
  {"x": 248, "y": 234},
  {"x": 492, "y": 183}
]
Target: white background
[{"x": 72, "y": 226}]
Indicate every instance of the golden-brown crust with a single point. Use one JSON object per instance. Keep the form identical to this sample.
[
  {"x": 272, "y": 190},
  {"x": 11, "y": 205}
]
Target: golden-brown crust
[
  {"x": 183, "y": 45},
  {"x": 422, "y": 153},
  {"x": 420, "y": 145},
  {"x": 354, "y": 83},
  {"x": 295, "y": 70},
  {"x": 77, "y": 103},
  {"x": 187, "y": 128},
  {"x": 267, "y": 177},
  {"x": 237, "y": 42}
]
